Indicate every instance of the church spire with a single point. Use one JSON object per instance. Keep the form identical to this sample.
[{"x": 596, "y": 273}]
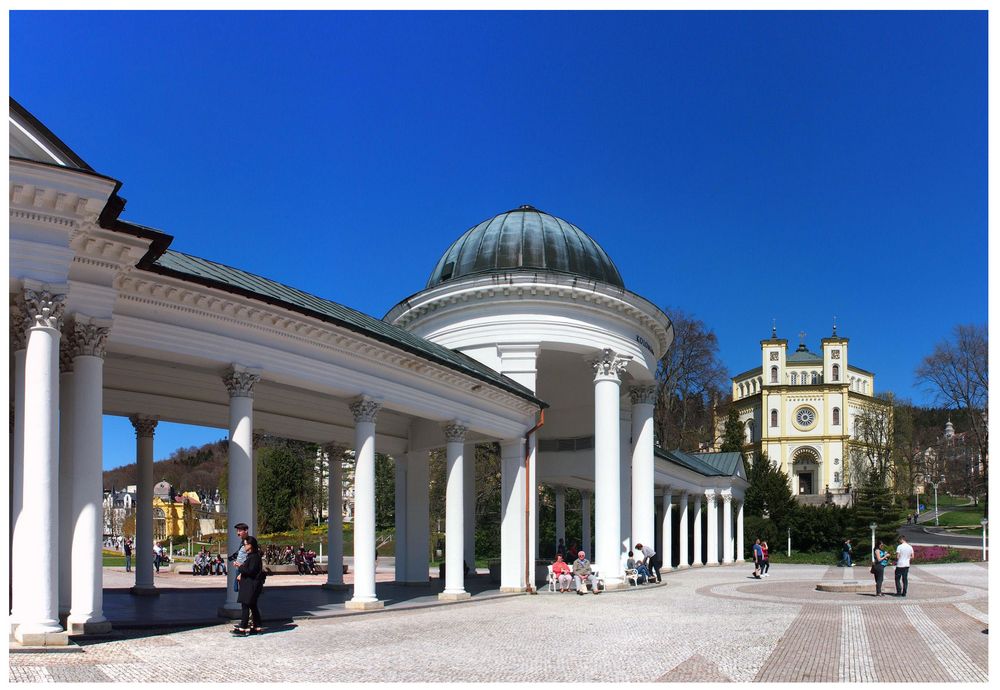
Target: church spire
[
  {"x": 774, "y": 329},
  {"x": 834, "y": 326}
]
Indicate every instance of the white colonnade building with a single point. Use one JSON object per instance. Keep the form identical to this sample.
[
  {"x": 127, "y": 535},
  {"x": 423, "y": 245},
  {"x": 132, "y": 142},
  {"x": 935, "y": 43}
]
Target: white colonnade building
[{"x": 524, "y": 312}]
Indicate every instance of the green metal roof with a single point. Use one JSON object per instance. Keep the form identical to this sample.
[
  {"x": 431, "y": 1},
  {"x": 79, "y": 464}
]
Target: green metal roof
[
  {"x": 726, "y": 463},
  {"x": 525, "y": 238},
  {"x": 691, "y": 461},
  {"x": 193, "y": 268},
  {"x": 804, "y": 357}
]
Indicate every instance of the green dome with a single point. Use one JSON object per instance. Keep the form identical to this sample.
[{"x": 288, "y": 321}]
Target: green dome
[{"x": 529, "y": 239}]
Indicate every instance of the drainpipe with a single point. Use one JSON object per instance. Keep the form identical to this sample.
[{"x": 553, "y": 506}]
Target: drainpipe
[{"x": 528, "y": 576}]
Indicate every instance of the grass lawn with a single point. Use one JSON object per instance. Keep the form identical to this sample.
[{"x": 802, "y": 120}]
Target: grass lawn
[{"x": 961, "y": 517}]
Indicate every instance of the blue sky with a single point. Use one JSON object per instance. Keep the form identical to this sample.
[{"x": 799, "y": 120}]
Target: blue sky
[{"x": 743, "y": 166}]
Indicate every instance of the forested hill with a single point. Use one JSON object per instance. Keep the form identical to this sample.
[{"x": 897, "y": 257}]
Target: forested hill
[{"x": 197, "y": 468}]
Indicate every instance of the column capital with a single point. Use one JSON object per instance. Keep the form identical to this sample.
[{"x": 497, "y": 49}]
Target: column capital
[
  {"x": 610, "y": 365},
  {"x": 727, "y": 496},
  {"x": 44, "y": 305},
  {"x": 710, "y": 495},
  {"x": 643, "y": 395},
  {"x": 239, "y": 381},
  {"x": 144, "y": 426},
  {"x": 66, "y": 353},
  {"x": 334, "y": 449},
  {"x": 454, "y": 431},
  {"x": 364, "y": 409},
  {"x": 89, "y": 337}
]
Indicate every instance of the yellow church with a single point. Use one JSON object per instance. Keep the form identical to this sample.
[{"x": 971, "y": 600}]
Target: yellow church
[{"x": 800, "y": 408}]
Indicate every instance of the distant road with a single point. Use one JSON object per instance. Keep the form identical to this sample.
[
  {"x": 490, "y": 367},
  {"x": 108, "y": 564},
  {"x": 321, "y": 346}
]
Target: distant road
[{"x": 931, "y": 536}]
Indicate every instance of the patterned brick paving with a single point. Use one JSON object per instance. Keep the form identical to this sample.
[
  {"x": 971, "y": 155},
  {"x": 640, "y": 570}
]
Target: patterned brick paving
[{"x": 709, "y": 625}]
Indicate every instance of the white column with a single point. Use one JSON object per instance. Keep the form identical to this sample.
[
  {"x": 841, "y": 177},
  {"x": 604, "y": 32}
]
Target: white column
[
  {"x": 454, "y": 538},
  {"x": 21, "y": 566},
  {"x": 684, "y": 556},
  {"x": 739, "y": 534},
  {"x": 560, "y": 492},
  {"x": 643, "y": 498},
  {"x": 469, "y": 505},
  {"x": 38, "y": 605},
  {"x": 365, "y": 411},
  {"x": 667, "y": 543},
  {"x": 727, "y": 526},
  {"x": 625, "y": 537},
  {"x": 401, "y": 561},
  {"x": 588, "y": 545},
  {"x": 513, "y": 539},
  {"x": 239, "y": 382},
  {"x": 144, "y": 427},
  {"x": 607, "y": 466},
  {"x": 66, "y": 515},
  {"x": 698, "y": 517},
  {"x": 335, "y": 517},
  {"x": 531, "y": 486},
  {"x": 713, "y": 528},
  {"x": 87, "y": 611},
  {"x": 417, "y": 517}
]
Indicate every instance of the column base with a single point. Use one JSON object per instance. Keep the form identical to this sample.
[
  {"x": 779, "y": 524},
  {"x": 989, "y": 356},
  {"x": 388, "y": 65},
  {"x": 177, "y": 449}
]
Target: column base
[
  {"x": 711, "y": 565},
  {"x": 512, "y": 590},
  {"x": 27, "y": 637},
  {"x": 364, "y": 605},
  {"x": 144, "y": 591},
  {"x": 610, "y": 586},
  {"x": 453, "y": 596},
  {"x": 682, "y": 566},
  {"x": 336, "y": 586},
  {"x": 729, "y": 562},
  {"x": 740, "y": 560},
  {"x": 88, "y": 626},
  {"x": 232, "y": 611}
]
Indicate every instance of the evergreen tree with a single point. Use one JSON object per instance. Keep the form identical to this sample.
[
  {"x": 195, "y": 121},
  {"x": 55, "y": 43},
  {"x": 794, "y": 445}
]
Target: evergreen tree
[
  {"x": 768, "y": 494},
  {"x": 875, "y": 502},
  {"x": 282, "y": 480},
  {"x": 732, "y": 437}
]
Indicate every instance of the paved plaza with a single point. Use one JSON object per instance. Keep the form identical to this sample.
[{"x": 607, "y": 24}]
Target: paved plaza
[{"x": 706, "y": 624}]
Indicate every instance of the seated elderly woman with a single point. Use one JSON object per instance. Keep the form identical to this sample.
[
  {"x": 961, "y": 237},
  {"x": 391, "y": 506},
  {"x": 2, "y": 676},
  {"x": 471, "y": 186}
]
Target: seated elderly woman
[{"x": 562, "y": 572}]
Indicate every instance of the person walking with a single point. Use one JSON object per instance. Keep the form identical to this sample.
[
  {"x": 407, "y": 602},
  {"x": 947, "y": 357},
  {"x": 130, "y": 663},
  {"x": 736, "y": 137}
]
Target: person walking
[
  {"x": 845, "y": 554},
  {"x": 758, "y": 556},
  {"x": 904, "y": 553},
  {"x": 765, "y": 559},
  {"x": 128, "y": 555},
  {"x": 880, "y": 559},
  {"x": 239, "y": 556},
  {"x": 157, "y": 556},
  {"x": 251, "y": 577}
]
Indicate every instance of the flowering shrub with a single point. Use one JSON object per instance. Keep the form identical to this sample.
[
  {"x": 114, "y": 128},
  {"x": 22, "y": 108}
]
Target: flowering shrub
[
  {"x": 926, "y": 554},
  {"x": 944, "y": 554}
]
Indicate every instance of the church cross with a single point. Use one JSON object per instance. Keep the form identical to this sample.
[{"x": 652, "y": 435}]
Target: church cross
[{"x": 802, "y": 336}]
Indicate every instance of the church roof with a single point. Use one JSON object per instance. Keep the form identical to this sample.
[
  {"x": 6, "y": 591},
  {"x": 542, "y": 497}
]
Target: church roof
[
  {"x": 525, "y": 238},
  {"x": 803, "y": 356},
  {"x": 234, "y": 280},
  {"x": 33, "y": 141}
]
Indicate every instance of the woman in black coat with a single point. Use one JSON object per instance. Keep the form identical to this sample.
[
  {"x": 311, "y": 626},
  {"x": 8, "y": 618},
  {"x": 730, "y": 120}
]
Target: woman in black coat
[{"x": 251, "y": 577}]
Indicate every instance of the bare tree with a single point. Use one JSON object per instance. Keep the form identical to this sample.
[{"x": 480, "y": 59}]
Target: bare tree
[
  {"x": 687, "y": 377},
  {"x": 957, "y": 374},
  {"x": 872, "y": 449}
]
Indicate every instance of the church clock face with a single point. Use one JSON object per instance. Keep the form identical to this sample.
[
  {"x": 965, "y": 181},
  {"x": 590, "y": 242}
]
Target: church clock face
[{"x": 805, "y": 416}]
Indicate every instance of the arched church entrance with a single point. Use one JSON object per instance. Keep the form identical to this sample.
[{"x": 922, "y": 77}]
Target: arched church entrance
[{"x": 805, "y": 470}]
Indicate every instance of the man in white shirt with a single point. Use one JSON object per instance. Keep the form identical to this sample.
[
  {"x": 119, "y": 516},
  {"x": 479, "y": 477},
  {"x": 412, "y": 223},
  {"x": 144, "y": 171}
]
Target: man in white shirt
[{"x": 903, "y": 555}]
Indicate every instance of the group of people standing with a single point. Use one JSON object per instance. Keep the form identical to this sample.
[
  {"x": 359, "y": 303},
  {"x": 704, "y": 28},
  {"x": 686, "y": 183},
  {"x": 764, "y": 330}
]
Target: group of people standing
[{"x": 880, "y": 561}]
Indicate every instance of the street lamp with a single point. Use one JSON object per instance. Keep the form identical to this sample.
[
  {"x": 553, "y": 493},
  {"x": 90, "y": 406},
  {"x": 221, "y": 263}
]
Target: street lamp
[
  {"x": 935, "y": 485},
  {"x": 790, "y": 543},
  {"x": 872, "y": 527},
  {"x": 983, "y": 523}
]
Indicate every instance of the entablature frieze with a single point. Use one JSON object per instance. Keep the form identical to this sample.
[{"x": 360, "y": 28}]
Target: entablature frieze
[{"x": 178, "y": 296}]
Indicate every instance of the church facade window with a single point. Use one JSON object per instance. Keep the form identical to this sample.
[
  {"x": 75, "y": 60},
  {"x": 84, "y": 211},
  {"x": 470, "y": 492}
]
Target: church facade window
[
  {"x": 774, "y": 418},
  {"x": 815, "y": 378},
  {"x": 795, "y": 378},
  {"x": 836, "y": 372},
  {"x": 774, "y": 374},
  {"x": 836, "y": 416}
]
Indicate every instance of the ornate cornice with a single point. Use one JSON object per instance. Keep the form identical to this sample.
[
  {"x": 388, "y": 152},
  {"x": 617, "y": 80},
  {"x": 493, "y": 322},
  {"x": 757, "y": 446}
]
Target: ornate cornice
[
  {"x": 610, "y": 364},
  {"x": 643, "y": 395},
  {"x": 46, "y": 219},
  {"x": 365, "y": 409},
  {"x": 89, "y": 340},
  {"x": 144, "y": 426},
  {"x": 44, "y": 309},
  {"x": 454, "y": 431},
  {"x": 240, "y": 381},
  {"x": 136, "y": 287}
]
